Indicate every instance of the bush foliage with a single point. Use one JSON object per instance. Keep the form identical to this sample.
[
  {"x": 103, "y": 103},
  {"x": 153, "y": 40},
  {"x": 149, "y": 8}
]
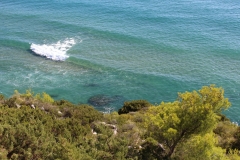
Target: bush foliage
[
  {"x": 133, "y": 106},
  {"x": 192, "y": 127}
]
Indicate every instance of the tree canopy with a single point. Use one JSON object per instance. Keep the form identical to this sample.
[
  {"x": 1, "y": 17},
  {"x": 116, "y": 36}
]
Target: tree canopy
[
  {"x": 35, "y": 126},
  {"x": 191, "y": 114}
]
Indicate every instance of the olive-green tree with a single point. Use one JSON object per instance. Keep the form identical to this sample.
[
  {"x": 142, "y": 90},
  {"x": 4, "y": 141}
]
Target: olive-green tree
[
  {"x": 133, "y": 106},
  {"x": 192, "y": 113},
  {"x": 201, "y": 147}
]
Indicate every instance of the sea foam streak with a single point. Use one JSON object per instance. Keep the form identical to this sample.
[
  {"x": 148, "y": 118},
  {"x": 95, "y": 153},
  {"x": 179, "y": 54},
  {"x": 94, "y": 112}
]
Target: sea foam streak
[{"x": 56, "y": 51}]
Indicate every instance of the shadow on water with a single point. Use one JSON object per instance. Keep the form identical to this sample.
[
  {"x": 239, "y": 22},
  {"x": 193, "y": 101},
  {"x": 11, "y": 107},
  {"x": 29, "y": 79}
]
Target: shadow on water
[
  {"x": 54, "y": 96},
  {"x": 91, "y": 85},
  {"x": 101, "y": 102}
]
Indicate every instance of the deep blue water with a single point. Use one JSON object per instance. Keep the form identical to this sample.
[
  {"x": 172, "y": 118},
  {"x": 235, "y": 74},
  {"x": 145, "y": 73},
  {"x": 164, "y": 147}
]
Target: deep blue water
[{"x": 124, "y": 50}]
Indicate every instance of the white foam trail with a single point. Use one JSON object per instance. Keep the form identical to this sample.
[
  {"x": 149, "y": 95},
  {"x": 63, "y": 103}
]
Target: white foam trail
[{"x": 56, "y": 51}]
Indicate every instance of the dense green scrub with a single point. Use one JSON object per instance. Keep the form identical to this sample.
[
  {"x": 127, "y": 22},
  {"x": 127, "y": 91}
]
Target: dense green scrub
[{"x": 192, "y": 127}]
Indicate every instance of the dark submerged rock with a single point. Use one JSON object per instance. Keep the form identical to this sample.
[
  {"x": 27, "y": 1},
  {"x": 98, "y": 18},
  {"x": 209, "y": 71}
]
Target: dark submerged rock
[
  {"x": 91, "y": 85},
  {"x": 99, "y": 100},
  {"x": 54, "y": 95},
  {"x": 103, "y": 100}
]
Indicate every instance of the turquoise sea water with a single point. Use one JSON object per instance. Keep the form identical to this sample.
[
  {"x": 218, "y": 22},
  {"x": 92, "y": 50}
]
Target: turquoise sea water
[{"x": 124, "y": 50}]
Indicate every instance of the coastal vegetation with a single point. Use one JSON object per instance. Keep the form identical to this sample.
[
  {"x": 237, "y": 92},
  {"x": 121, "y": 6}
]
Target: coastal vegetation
[{"x": 35, "y": 126}]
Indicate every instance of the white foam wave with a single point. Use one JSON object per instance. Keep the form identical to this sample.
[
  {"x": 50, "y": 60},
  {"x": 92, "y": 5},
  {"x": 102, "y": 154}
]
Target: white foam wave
[{"x": 56, "y": 51}]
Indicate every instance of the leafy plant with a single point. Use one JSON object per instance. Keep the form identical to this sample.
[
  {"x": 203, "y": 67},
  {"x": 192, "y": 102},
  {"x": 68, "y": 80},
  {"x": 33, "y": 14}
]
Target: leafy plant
[{"x": 133, "y": 106}]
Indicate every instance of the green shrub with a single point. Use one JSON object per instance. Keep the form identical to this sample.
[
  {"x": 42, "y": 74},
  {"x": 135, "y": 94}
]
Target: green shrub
[
  {"x": 44, "y": 97},
  {"x": 133, "y": 106}
]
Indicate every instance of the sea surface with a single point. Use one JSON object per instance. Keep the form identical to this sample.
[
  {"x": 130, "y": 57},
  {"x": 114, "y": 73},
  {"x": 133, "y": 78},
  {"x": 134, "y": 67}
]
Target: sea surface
[{"x": 106, "y": 52}]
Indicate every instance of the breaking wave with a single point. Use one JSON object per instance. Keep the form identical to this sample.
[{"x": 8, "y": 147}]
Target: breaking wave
[{"x": 56, "y": 51}]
